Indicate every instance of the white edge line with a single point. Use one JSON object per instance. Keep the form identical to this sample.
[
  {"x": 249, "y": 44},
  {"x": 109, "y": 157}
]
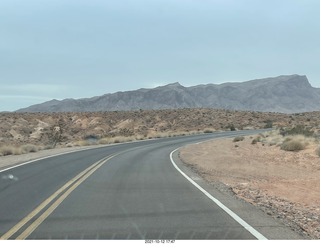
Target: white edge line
[{"x": 248, "y": 227}]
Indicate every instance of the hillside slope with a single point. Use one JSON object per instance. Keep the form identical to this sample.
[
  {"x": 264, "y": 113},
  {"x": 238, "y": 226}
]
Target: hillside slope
[{"x": 36, "y": 128}]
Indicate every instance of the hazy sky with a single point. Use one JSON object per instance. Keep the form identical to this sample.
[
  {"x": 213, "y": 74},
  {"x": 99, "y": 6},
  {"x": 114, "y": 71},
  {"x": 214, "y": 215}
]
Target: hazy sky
[{"x": 58, "y": 49}]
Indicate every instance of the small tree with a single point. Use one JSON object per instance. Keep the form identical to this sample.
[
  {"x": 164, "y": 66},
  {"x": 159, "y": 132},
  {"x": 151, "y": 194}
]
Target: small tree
[
  {"x": 269, "y": 124},
  {"x": 231, "y": 127},
  {"x": 55, "y": 132}
]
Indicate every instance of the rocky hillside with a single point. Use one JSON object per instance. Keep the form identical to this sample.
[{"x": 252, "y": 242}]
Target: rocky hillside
[
  {"x": 40, "y": 128},
  {"x": 285, "y": 94}
]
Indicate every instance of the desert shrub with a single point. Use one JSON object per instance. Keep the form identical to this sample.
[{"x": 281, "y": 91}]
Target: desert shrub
[
  {"x": 29, "y": 148},
  {"x": 256, "y": 140},
  {"x": 6, "y": 150},
  {"x": 208, "y": 131},
  {"x": 269, "y": 124},
  {"x": 83, "y": 143},
  {"x": 272, "y": 138},
  {"x": 116, "y": 139},
  {"x": 162, "y": 135},
  {"x": 47, "y": 147},
  {"x": 231, "y": 127},
  {"x": 318, "y": 151},
  {"x": 139, "y": 137},
  {"x": 17, "y": 151},
  {"x": 293, "y": 145},
  {"x": 297, "y": 130},
  {"x": 238, "y": 138},
  {"x": 274, "y": 141},
  {"x": 104, "y": 141}
]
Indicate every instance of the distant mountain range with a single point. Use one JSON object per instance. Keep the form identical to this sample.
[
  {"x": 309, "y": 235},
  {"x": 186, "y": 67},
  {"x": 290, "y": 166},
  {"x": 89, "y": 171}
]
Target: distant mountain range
[{"x": 285, "y": 94}]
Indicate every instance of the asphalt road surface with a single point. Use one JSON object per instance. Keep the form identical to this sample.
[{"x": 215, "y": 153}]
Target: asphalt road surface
[{"x": 122, "y": 191}]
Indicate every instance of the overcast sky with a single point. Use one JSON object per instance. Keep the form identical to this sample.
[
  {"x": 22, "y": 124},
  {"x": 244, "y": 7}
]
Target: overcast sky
[{"x": 73, "y": 48}]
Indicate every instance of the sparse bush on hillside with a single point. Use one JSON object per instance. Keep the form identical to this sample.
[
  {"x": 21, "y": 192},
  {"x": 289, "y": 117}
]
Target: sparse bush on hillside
[
  {"x": 297, "y": 130},
  {"x": 47, "y": 147},
  {"x": 231, "y": 127},
  {"x": 318, "y": 151},
  {"x": 12, "y": 150},
  {"x": 256, "y": 140},
  {"x": 273, "y": 140},
  {"x": 293, "y": 142},
  {"x": 118, "y": 139},
  {"x": 238, "y": 138},
  {"x": 269, "y": 124},
  {"x": 293, "y": 145},
  {"x": 29, "y": 148},
  {"x": 104, "y": 141},
  {"x": 6, "y": 150},
  {"x": 208, "y": 130},
  {"x": 83, "y": 143},
  {"x": 17, "y": 151}
]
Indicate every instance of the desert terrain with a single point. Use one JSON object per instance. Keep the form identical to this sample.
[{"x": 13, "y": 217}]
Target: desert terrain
[
  {"x": 29, "y": 132},
  {"x": 259, "y": 169},
  {"x": 285, "y": 184}
]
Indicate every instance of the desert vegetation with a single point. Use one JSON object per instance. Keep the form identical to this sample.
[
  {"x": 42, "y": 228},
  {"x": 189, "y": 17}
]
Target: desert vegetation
[
  {"x": 17, "y": 150},
  {"x": 289, "y": 139},
  {"x": 238, "y": 138},
  {"x": 49, "y": 130},
  {"x": 256, "y": 140},
  {"x": 294, "y": 144}
]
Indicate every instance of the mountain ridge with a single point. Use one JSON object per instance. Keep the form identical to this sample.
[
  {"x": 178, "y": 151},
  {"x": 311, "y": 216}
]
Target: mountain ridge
[{"x": 285, "y": 94}]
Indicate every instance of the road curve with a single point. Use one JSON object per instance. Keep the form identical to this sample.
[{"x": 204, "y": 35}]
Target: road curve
[{"x": 123, "y": 191}]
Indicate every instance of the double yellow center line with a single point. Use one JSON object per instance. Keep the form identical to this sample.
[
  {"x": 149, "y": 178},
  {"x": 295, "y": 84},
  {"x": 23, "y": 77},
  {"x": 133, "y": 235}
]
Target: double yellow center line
[{"x": 67, "y": 189}]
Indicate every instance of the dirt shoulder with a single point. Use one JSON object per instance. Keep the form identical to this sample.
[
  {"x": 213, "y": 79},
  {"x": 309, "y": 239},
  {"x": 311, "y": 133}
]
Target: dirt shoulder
[{"x": 284, "y": 184}]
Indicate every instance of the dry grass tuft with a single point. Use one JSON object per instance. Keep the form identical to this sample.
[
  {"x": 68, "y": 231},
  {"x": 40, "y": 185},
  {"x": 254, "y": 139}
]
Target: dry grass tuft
[
  {"x": 83, "y": 143},
  {"x": 13, "y": 150},
  {"x": 6, "y": 150},
  {"x": 238, "y": 138},
  {"x": 119, "y": 139},
  {"x": 256, "y": 140},
  {"x": 293, "y": 145},
  {"x": 208, "y": 130},
  {"x": 296, "y": 143},
  {"x": 29, "y": 148},
  {"x": 288, "y": 143}
]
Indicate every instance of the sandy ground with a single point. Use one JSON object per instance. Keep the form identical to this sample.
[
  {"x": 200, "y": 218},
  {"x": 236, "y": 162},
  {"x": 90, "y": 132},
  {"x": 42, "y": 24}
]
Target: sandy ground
[{"x": 284, "y": 184}]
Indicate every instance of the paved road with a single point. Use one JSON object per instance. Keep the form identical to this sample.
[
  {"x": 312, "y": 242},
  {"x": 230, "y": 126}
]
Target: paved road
[{"x": 124, "y": 191}]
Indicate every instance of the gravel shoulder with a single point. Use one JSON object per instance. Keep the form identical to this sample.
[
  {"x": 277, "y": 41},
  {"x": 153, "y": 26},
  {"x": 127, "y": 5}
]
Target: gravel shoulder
[{"x": 283, "y": 184}]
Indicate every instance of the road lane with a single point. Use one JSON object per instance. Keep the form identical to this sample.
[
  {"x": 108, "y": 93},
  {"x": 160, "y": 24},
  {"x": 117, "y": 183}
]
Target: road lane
[{"x": 136, "y": 195}]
